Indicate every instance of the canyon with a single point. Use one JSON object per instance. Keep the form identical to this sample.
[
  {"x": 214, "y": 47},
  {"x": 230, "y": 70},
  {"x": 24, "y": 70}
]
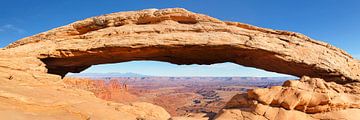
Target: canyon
[
  {"x": 180, "y": 96},
  {"x": 32, "y": 68}
]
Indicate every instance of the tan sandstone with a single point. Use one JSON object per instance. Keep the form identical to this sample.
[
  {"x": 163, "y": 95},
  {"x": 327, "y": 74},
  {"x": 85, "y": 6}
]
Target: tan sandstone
[
  {"x": 307, "y": 98},
  {"x": 27, "y": 94},
  {"x": 31, "y": 68}
]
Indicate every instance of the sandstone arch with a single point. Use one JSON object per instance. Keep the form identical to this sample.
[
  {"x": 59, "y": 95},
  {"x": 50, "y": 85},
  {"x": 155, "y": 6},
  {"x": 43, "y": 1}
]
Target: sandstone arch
[
  {"x": 182, "y": 37},
  {"x": 178, "y": 36}
]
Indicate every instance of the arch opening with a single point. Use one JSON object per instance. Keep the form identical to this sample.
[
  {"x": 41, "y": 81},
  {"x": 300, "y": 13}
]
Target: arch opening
[
  {"x": 141, "y": 68},
  {"x": 76, "y": 61},
  {"x": 180, "y": 89}
]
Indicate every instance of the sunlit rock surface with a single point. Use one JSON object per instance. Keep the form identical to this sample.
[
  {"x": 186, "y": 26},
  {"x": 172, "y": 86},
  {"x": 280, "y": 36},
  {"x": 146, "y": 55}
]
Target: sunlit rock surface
[{"x": 307, "y": 98}]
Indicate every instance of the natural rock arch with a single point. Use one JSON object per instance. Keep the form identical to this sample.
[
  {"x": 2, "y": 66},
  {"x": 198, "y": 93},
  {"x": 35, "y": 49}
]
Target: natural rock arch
[
  {"x": 182, "y": 37},
  {"x": 178, "y": 36}
]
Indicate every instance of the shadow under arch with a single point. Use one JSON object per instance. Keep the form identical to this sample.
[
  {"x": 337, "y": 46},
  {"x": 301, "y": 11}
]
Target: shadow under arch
[{"x": 181, "y": 55}]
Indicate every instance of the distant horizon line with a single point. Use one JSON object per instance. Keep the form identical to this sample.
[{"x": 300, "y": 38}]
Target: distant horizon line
[{"x": 145, "y": 75}]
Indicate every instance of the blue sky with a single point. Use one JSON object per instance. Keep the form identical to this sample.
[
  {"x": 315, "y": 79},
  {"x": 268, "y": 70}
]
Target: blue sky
[{"x": 332, "y": 21}]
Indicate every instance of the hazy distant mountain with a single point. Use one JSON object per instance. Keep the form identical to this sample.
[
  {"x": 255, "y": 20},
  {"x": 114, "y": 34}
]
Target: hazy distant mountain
[
  {"x": 102, "y": 75},
  {"x": 130, "y": 74}
]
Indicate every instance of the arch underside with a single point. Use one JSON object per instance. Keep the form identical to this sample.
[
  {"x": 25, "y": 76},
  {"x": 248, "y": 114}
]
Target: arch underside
[{"x": 180, "y": 55}]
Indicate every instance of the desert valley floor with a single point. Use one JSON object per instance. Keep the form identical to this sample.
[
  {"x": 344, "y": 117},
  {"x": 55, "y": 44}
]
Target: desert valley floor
[{"x": 180, "y": 96}]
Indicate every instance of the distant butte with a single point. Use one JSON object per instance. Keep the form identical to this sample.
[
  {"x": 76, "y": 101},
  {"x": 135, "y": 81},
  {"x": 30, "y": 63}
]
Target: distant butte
[{"x": 31, "y": 68}]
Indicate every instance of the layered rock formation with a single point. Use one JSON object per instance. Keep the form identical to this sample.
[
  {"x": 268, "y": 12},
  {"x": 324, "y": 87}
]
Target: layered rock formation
[
  {"x": 304, "y": 99},
  {"x": 181, "y": 37},
  {"x": 112, "y": 90}
]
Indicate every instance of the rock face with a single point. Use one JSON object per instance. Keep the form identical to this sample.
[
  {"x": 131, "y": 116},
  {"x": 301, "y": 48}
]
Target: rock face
[
  {"x": 112, "y": 90},
  {"x": 304, "y": 99},
  {"x": 28, "y": 91}
]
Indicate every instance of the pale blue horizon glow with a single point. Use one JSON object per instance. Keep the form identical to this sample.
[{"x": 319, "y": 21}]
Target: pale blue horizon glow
[
  {"x": 157, "y": 68},
  {"x": 357, "y": 57}
]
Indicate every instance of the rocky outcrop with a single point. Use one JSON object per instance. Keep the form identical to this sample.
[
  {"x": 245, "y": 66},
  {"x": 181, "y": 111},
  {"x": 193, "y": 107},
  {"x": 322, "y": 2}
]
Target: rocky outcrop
[
  {"x": 28, "y": 91},
  {"x": 182, "y": 37},
  {"x": 307, "y": 98}
]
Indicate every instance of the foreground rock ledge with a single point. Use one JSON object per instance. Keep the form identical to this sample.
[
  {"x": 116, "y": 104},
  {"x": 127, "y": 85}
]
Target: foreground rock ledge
[
  {"x": 304, "y": 99},
  {"x": 28, "y": 91}
]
